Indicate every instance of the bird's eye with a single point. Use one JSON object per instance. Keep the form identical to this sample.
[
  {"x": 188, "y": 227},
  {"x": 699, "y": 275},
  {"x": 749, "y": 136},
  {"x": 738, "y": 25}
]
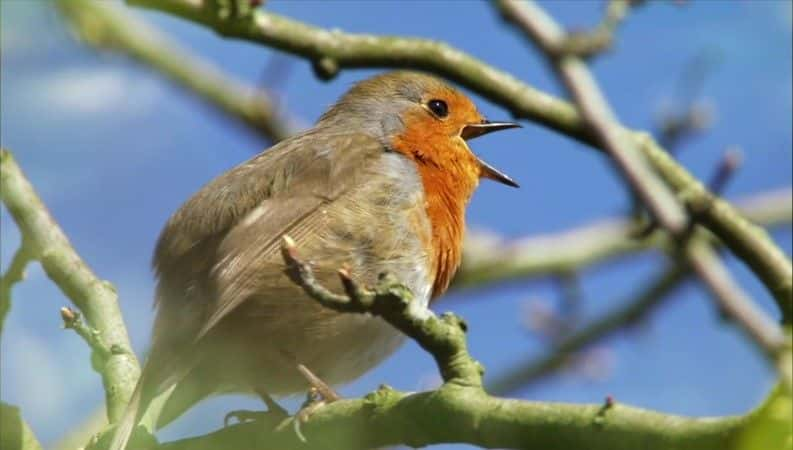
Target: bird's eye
[{"x": 438, "y": 107}]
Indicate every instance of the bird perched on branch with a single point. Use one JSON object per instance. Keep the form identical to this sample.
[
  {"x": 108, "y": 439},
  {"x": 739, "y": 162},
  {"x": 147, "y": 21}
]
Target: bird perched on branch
[{"x": 379, "y": 184}]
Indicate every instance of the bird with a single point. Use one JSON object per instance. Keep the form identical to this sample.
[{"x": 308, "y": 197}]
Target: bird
[{"x": 379, "y": 184}]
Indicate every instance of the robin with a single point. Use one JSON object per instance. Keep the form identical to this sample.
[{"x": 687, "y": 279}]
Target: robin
[{"x": 379, "y": 184}]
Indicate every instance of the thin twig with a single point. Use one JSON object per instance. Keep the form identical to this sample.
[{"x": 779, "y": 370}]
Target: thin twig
[
  {"x": 729, "y": 163},
  {"x": 586, "y": 44},
  {"x": 13, "y": 275},
  {"x": 690, "y": 116},
  {"x": 73, "y": 320}
]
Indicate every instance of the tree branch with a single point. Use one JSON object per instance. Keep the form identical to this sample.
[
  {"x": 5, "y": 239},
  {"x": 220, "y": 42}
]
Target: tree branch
[
  {"x": 749, "y": 242},
  {"x": 330, "y": 51},
  {"x": 105, "y": 25},
  {"x": 734, "y": 303},
  {"x": 586, "y": 44},
  {"x": 95, "y": 298},
  {"x": 602, "y": 123}
]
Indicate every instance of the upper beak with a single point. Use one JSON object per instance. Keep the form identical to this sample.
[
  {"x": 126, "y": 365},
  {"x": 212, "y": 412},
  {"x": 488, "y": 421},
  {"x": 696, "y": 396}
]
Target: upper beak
[{"x": 475, "y": 130}]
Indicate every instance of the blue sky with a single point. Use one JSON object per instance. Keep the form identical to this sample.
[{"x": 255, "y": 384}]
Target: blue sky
[{"x": 113, "y": 149}]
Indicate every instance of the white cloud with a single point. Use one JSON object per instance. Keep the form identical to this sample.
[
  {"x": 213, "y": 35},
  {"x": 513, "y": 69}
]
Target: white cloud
[{"x": 91, "y": 90}]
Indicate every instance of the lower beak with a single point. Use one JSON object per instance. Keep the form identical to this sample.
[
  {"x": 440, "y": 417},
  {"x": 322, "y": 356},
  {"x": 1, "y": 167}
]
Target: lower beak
[
  {"x": 475, "y": 130},
  {"x": 488, "y": 171}
]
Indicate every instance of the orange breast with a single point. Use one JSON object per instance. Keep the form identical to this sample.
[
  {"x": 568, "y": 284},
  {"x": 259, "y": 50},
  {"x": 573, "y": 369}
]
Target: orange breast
[{"x": 449, "y": 175}]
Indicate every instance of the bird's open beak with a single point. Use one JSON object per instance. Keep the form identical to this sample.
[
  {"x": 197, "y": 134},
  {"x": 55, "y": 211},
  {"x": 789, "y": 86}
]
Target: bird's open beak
[{"x": 475, "y": 130}]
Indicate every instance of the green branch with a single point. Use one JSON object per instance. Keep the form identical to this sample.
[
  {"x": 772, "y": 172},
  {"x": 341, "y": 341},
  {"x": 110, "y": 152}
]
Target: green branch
[
  {"x": 95, "y": 298},
  {"x": 463, "y": 415}
]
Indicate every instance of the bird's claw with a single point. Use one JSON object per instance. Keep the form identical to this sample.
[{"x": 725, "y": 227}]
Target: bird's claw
[
  {"x": 273, "y": 415},
  {"x": 242, "y": 416},
  {"x": 319, "y": 395},
  {"x": 314, "y": 401}
]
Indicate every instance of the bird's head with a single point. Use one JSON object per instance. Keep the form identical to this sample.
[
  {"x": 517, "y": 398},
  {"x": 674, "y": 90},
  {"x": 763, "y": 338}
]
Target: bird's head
[{"x": 422, "y": 117}]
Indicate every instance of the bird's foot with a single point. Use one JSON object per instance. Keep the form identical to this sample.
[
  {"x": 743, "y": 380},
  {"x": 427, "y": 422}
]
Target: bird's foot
[
  {"x": 275, "y": 413},
  {"x": 319, "y": 395}
]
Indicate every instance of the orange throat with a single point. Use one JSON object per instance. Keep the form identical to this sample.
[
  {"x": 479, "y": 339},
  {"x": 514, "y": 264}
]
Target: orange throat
[{"x": 449, "y": 177}]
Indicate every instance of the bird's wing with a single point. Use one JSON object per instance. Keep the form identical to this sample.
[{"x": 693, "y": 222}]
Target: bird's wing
[{"x": 239, "y": 219}]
